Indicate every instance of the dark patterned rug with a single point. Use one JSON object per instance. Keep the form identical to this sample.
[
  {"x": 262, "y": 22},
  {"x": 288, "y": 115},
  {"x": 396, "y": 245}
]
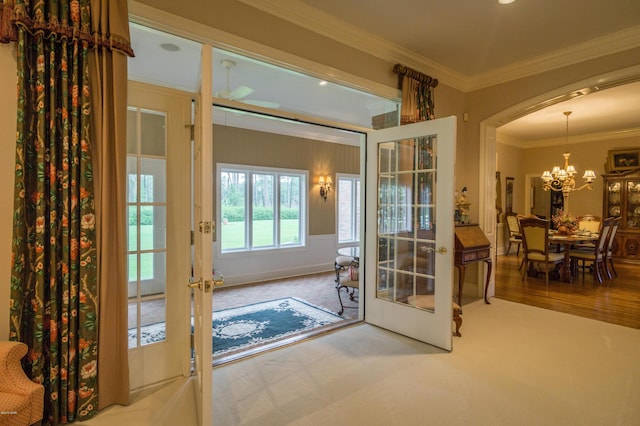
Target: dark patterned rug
[
  {"x": 260, "y": 323},
  {"x": 256, "y": 324}
]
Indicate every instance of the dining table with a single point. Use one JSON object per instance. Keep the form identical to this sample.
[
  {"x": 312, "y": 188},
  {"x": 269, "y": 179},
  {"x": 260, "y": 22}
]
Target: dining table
[{"x": 567, "y": 241}]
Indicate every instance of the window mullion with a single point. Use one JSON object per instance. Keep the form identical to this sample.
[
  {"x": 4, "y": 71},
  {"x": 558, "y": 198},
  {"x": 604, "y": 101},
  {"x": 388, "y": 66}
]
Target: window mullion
[{"x": 248, "y": 222}]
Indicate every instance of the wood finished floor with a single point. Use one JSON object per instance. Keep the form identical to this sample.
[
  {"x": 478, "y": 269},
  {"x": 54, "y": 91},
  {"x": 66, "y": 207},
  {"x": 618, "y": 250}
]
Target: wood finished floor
[{"x": 614, "y": 301}]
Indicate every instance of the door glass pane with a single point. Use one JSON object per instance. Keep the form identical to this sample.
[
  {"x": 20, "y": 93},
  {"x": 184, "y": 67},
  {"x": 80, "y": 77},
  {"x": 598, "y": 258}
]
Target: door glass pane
[
  {"x": 633, "y": 204},
  {"x": 290, "y": 228},
  {"x": 153, "y": 224},
  {"x": 152, "y": 133},
  {"x": 406, "y": 214},
  {"x": 263, "y": 210}
]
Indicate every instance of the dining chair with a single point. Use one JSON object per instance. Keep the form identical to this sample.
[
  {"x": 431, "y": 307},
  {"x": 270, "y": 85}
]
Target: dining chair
[
  {"x": 608, "y": 264},
  {"x": 349, "y": 280},
  {"x": 589, "y": 223},
  {"x": 535, "y": 246},
  {"x": 515, "y": 237},
  {"x": 596, "y": 255}
]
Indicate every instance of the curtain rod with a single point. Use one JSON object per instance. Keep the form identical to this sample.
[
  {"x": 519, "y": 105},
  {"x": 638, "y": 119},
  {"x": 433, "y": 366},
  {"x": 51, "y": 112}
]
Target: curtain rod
[{"x": 402, "y": 70}]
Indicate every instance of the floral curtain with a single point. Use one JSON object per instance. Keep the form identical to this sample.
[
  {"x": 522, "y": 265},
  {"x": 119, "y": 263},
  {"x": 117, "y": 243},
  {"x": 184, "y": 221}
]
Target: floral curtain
[
  {"x": 54, "y": 288},
  {"x": 417, "y": 95}
]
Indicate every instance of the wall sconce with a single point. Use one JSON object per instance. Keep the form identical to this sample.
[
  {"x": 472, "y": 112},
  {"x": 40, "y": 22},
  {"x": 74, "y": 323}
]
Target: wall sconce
[{"x": 325, "y": 186}]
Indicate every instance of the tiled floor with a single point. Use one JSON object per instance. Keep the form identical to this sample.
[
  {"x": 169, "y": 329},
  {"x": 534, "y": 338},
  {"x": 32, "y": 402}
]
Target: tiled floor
[{"x": 317, "y": 289}]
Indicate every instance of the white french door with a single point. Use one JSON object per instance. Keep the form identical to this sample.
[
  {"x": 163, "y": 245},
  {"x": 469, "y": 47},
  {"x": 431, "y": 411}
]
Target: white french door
[
  {"x": 203, "y": 253},
  {"x": 409, "y": 243},
  {"x": 158, "y": 252}
]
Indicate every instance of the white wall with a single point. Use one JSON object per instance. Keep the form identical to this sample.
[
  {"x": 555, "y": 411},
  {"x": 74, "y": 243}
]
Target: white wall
[
  {"x": 7, "y": 161},
  {"x": 253, "y": 266}
]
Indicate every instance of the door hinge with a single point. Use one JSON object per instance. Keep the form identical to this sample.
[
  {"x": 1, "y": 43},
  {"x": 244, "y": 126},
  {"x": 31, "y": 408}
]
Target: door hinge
[
  {"x": 207, "y": 227},
  {"x": 192, "y": 237},
  {"x": 192, "y": 131}
]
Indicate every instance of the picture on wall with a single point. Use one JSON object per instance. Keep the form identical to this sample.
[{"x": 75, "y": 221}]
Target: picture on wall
[{"x": 620, "y": 160}]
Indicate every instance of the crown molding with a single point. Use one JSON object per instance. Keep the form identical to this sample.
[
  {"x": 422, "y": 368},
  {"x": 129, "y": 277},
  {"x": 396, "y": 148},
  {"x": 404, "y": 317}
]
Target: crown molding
[
  {"x": 327, "y": 25},
  {"x": 575, "y": 140},
  {"x": 592, "y": 49}
]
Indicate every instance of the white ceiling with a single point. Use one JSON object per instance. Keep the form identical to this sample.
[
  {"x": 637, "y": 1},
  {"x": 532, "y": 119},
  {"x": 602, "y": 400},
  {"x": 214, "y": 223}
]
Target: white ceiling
[{"x": 469, "y": 42}]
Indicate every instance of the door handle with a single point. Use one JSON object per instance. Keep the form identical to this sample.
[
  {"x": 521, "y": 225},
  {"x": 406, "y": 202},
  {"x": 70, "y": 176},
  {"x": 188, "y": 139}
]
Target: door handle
[
  {"x": 442, "y": 250},
  {"x": 199, "y": 284},
  {"x": 218, "y": 283}
]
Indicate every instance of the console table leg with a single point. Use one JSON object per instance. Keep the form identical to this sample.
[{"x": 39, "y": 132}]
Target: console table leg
[{"x": 486, "y": 285}]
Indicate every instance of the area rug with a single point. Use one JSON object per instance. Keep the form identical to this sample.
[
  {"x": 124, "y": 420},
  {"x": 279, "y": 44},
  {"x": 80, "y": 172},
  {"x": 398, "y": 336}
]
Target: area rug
[
  {"x": 240, "y": 328},
  {"x": 256, "y": 324}
]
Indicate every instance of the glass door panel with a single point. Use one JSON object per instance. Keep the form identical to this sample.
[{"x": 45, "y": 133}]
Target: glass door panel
[{"x": 411, "y": 195}]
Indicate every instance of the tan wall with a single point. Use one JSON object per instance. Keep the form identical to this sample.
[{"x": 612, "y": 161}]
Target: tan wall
[
  {"x": 7, "y": 162},
  {"x": 509, "y": 164},
  {"x": 241, "y": 146}
]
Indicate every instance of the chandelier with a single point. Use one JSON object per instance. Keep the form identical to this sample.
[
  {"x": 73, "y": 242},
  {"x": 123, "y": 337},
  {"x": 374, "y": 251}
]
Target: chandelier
[{"x": 562, "y": 179}]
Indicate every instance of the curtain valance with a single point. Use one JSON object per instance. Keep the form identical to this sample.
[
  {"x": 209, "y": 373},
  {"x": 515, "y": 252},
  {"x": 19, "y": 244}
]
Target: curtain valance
[{"x": 61, "y": 19}]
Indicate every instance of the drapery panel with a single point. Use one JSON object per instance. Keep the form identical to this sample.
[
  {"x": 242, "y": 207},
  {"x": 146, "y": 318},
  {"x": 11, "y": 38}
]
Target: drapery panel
[
  {"x": 55, "y": 292},
  {"x": 108, "y": 72},
  {"x": 417, "y": 95}
]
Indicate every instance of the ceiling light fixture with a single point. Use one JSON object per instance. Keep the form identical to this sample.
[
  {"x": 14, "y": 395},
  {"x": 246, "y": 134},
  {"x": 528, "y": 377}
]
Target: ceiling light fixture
[
  {"x": 170, "y": 47},
  {"x": 506, "y": 1},
  {"x": 562, "y": 180}
]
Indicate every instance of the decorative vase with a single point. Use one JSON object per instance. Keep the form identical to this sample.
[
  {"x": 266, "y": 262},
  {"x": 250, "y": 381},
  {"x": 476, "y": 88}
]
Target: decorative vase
[{"x": 565, "y": 230}]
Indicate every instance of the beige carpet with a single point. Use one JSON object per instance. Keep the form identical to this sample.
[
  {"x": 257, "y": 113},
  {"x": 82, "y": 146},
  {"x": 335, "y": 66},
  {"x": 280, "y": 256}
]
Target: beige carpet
[{"x": 514, "y": 365}]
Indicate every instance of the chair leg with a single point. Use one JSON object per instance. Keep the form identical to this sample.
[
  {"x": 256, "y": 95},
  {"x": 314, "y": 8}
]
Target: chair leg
[
  {"x": 509, "y": 248},
  {"x": 458, "y": 320},
  {"x": 611, "y": 271},
  {"x": 518, "y": 250},
  {"x": 546, "y": 275},
  {"x": 340, "y": 299},
  {"x": 597, "y": 265}
]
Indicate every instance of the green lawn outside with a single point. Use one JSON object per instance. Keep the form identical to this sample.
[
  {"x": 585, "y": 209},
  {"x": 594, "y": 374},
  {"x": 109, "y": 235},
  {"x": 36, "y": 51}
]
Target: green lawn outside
[
  {"x": 146, "y": 261},
  {"x": 233, "y": 233},
  {"x": 232, "y": 237}
]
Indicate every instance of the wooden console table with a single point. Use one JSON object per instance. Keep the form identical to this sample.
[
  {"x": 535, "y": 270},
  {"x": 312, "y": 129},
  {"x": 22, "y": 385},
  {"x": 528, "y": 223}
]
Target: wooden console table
[{"x": 471, "y": 246}]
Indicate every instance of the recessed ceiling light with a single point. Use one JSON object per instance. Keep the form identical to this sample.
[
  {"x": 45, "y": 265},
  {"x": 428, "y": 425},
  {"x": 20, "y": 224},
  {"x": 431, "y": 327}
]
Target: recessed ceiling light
[
  {"x": 170, "y": 47},
  {"x": 323, "y": 83},
  {"x": 506, "y": 1}
]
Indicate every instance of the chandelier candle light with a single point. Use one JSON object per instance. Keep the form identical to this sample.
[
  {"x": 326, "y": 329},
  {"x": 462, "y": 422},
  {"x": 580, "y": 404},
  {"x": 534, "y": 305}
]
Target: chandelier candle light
[{"x": 562, "y": 180}]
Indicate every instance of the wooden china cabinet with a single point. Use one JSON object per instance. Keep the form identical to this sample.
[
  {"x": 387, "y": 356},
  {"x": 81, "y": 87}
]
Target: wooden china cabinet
[{"x": 622, "y": 199}]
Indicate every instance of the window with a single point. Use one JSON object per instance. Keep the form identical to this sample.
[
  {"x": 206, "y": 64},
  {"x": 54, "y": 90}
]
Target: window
[
  {"x": 261, "y": 208},
  {"x": 348, "y": 209}
]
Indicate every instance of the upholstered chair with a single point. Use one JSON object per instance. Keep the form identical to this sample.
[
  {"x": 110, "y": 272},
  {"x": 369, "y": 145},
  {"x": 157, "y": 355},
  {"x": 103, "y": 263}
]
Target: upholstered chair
[{"x": 21, "y": 400}]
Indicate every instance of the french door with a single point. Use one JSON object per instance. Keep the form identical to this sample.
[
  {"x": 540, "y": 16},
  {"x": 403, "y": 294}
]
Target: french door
[
  {"x": 158, "y": 246},
  {"x": 410, "y": 231},
  {"x": 203, "y": 232}
]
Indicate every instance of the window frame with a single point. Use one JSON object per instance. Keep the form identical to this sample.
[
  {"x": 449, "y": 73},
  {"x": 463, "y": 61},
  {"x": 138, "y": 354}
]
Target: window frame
[{"x": 277, "y": 172}]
